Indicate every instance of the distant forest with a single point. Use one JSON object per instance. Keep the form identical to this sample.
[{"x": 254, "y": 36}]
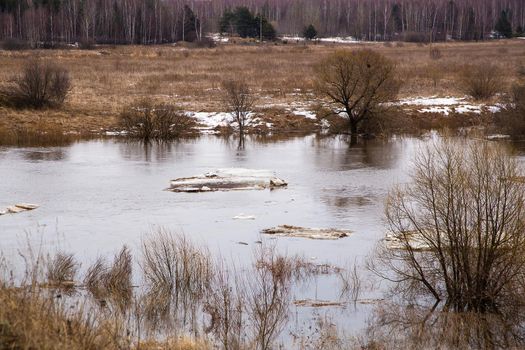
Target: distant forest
[{"x": 161, "y": 21}]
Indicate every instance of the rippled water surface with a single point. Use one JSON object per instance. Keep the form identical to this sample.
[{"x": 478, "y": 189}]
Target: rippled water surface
[{"x": 97, "y": 195}]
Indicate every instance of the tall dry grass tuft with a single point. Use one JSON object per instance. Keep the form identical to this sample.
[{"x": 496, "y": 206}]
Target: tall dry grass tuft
[
  {"x": 111, "y": 283},
  {"x": 61, "y": 270},
  {"x": 177, "y": 273}
]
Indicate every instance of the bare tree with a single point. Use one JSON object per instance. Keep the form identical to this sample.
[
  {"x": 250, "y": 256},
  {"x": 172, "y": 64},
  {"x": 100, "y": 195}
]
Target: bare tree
[
  {"x": 239, "y": 101},
  {"x": 356, "y": 83},
  {"x": 458, "y": 227}
]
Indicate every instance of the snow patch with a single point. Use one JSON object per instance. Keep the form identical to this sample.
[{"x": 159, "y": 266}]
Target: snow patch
[
  {"x": 447, "y": 105},
  {"x": 218, "y": 38},
  {"x": 305, "y": 113},
  {"x": 243, "y": 217}
]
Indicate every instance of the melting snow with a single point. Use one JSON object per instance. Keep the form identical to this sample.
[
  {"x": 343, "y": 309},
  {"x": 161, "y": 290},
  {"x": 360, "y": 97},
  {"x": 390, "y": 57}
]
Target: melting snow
[
  {"x": 305, "y": 113},
  {"x": 447, "y": 105}
]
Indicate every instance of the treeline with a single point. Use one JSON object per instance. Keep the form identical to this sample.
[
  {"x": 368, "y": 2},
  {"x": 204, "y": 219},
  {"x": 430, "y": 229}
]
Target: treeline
[{"x": 160, "y": 21}]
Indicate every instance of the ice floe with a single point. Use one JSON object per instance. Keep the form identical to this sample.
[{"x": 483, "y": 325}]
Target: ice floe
[
  {"x": 228, "y": 180},
  {"x": 18, "y": 208},
  {"x": 304, "y": 232}
]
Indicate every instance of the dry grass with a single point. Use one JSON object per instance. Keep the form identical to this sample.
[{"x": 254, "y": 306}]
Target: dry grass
[
  {"x": 111, "y": 284},
  {"x": 106, "y": 80}
]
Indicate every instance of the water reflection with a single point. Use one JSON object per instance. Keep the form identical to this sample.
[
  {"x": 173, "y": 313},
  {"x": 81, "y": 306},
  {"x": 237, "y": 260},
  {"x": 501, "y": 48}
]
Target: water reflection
[
  {"x": 335, "y": 153},
  {"x": 415, "y": 327},
  {"x": 158, "y": 152},
  {"x": 39, "y": 155}
]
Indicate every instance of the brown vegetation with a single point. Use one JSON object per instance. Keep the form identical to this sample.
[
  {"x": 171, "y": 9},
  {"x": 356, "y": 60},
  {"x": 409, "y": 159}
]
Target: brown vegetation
[
  {"x": 357, "y": 83},
  {"x": 147, "y": 121},
  {"x": 460, "y": 226},
  {"x": 482, "y": 81},
  {"x": 41, "y": 84},
  {"x": 239, "y": 101},
  {"x": 109, "y": 79}
]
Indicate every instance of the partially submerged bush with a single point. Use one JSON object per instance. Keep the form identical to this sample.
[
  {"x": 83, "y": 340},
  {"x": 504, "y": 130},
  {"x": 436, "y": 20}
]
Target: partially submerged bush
[
  {"x": 41, "y": 84},
  {"x": 148, "y": 121},
  {"x": 481, "y": 81},
  {"x": 458, "y": 228}
]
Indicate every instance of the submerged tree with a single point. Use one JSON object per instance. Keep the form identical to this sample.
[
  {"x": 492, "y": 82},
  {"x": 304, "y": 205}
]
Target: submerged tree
[
  {"x": 459, "y": 227},
  {"x": 238, "y": 101},
  {"x": 357, "y": 83}
]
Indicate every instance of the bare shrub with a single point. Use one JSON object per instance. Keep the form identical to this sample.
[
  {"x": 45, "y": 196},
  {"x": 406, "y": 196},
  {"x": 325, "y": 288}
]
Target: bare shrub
[
  {"x": 458, "y": 228},
  {"x": 357, "y": 83},
  {"x": 224, "y": 304},
  {"x": 148, "y": 121},
  {"x": 351, "y": 283},
  {"x": 41, "y": 84},
  {"x": 239, "y": 101},
  {"x": 61, "y": 270},
  {"x": 481, "y": 81},
  {"x": 267, "y": 296}
]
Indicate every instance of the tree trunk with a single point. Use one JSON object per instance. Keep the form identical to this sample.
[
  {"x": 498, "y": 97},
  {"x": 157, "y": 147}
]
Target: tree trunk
[{"x": 353, "y": 131}]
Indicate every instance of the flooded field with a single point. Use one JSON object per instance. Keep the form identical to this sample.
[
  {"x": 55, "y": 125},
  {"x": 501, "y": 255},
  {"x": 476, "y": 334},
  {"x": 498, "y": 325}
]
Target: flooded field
[{"x": 95, "y": 196}]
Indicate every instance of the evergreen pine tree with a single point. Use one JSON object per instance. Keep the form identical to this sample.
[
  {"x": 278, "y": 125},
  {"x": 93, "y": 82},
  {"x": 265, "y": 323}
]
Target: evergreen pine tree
[
  {"x": 503, "y": 26},
  {"x": 309, "y": 32},
  {"x": 244, "y": 22}
]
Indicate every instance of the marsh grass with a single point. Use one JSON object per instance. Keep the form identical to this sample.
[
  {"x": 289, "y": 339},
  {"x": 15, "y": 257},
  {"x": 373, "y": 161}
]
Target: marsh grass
[
  {"x": 111, "y": 284},
  {"x": 61, "y": 271},
  {"x": 177, "y": 274}
]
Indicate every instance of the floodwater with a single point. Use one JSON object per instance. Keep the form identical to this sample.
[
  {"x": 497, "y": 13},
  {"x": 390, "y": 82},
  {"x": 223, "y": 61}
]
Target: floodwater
[{"x": 98, "y": 195}]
